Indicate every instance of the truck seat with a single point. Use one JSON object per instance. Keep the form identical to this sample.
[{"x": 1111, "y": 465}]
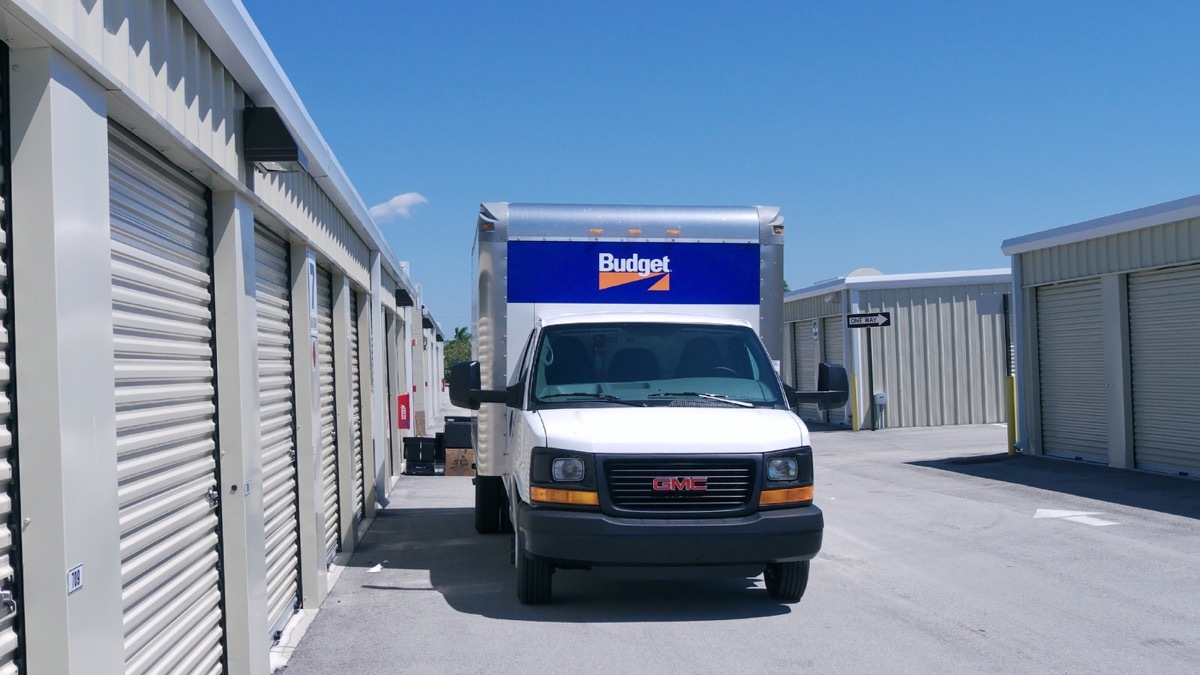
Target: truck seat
[
  {"x": 571, "y": 362},
  {"x": 633, "y": 364}
]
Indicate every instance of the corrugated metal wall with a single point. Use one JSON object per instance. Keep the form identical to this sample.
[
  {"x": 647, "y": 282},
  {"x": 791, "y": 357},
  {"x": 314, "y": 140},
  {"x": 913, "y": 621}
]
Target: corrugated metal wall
[
  {"x": 1148, "y": 248},
  {"x": 825, "y": 304},
  {"x": 940, "y": 362},
  {"x": 301, "y": 202},
  {"x": 151, "y": 48},
  {"x": 10, "y": 616}
]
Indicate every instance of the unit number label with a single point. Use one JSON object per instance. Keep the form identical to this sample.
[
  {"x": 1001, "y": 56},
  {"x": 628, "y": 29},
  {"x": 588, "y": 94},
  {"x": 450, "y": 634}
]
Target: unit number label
[{"x": 74, "y": 579}]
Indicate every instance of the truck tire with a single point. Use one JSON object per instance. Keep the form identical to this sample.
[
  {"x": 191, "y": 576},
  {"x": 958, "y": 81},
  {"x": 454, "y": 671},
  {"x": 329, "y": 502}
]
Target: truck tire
[
  {"x": 534, "y": 575},
  {"x": 786, "y": 581},
  {"x": 489, "y": 493}
]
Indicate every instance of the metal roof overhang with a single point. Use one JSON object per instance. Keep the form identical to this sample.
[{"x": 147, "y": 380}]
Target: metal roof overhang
[{"x": 1129, "y": 221}]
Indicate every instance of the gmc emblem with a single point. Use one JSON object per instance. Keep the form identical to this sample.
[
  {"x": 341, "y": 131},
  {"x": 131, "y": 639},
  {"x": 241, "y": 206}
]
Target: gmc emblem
[{"x": 693, "y": 484}]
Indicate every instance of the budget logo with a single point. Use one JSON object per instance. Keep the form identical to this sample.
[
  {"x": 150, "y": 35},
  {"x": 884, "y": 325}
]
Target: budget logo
[{"x": 616, "y": 271}]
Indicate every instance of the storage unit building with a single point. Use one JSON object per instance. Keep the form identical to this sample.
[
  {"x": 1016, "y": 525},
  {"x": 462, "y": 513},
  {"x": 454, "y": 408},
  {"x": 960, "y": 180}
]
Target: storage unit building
[
  {"x": 204, "y": 331},
  {"x": 1109, "y": 341},
  {"x": 941, "y": 360}
]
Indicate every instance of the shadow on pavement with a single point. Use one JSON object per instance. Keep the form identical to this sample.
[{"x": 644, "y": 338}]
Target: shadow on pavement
[
  {"x": 823, "y": 428},
  {"x": 473, "y": 573},
  {"x": 1165, "y": 494}
]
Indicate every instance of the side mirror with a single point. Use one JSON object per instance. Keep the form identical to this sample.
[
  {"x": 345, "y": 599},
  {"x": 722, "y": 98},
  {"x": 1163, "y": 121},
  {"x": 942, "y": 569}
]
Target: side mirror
[
  {"x": 832, "y": 378},
  {"x": 465, "y": 391},
  {"x": 464, "y": 378},
  {"x": 789, "y": 392},
  {"x": 833, "y": 388}
]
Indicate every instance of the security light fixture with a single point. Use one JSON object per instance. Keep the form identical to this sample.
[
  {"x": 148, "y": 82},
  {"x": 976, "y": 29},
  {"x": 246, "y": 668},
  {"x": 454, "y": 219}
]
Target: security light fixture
[
  {"x": 403, "y": 298},
  {"x": 268, "y": 144}
]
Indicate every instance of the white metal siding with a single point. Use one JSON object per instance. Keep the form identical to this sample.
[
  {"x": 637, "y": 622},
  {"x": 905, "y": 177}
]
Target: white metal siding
[
  {"x": 940, "y": 362},
  {"x": 329, "y": 468},
  {"x": 1164, "y": 359},
  {"x": 304, "y": 204},
  {"x": 356, "y": 409},
  {"x": 151, "y": 48},
  {"x": 277, "y": 419},
  {"x": 1071, "y": 371},
  {"x": 165, "y": 414},
  {"x": 833, "y": 350},
  {"x": 9, "y": 615}
]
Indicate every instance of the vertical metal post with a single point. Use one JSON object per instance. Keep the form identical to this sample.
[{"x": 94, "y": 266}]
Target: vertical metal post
[
  {"x": 870, "y": 379},
  {"x": 1010, "y": 382}
]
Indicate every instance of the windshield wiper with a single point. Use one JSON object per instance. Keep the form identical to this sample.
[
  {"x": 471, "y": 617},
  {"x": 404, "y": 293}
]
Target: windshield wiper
[
  {"x": 711, "y": 397},
  {"x": 607, "y": 398}
]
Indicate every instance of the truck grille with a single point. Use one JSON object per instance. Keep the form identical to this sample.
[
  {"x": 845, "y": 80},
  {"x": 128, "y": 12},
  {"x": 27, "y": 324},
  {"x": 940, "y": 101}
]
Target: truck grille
[{"x": 728, "y": 484}]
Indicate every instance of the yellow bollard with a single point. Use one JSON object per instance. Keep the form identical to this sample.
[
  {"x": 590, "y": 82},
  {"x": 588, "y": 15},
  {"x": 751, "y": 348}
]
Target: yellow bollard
[
  {"x": 1010, "y": 412},
  {"x": 853, "y": 402}
]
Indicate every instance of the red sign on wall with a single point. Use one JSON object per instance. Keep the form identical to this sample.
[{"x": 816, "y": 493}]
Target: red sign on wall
[{"x": 402, "y": 418}]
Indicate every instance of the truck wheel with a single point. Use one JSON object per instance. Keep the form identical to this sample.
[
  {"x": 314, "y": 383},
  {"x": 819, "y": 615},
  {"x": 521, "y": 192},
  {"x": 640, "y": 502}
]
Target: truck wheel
[
  {"x": 786, "y": 581},
  {"x": 533, "y": 575},
  {"x": 489, "y": 491}
]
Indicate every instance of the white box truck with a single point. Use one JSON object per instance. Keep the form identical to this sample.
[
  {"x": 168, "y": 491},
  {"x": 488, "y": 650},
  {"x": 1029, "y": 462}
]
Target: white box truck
[{"x": 633, "y": 421}]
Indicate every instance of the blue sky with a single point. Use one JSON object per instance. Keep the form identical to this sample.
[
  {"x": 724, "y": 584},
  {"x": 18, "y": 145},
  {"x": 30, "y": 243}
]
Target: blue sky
[{"x": 907, "y": 137}]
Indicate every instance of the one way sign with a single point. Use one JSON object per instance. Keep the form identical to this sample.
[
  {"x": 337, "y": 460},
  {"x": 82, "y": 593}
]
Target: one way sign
[{"x": 872, "y": 320}]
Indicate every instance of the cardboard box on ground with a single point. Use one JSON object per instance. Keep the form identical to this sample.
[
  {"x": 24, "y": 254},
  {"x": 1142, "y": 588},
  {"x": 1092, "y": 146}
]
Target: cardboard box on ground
[{"x": 460, "y": 462}]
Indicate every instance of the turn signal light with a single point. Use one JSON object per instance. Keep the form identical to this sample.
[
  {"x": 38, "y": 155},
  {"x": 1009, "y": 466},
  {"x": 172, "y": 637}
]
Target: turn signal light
[
  {"x": 572, "y": 497},
  {"x": 786, "y": 496}
]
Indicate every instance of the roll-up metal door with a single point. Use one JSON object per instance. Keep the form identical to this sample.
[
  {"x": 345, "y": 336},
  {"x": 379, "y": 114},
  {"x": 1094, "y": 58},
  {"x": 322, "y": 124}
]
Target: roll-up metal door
[
  {"x": 1071, "y": 371},
  {"x": 1164, "y": 361},
  {"x": 833, "y": 350},
  {"x": 328, "y": 405},
  {"x": 10, "y": 587},
  {"x": 277, "y": 419},
  {"x": 166, "y": 413},
  {"x": 356, "y": 410},
  {"x": 804, "y": 356}
]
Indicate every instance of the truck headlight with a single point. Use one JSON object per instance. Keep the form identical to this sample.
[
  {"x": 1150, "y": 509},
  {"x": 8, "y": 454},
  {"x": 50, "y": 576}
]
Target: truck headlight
[
  {"x": 567, "y": 469},
  {"x": 782, "y": 469}
]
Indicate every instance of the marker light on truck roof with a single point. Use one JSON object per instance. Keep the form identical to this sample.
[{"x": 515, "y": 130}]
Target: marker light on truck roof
[
  {"x": 596, "y": 232},
  {"x": 634, "y": 233},
  {"x": 786, "y": 496},
  {"x": 673, "y": 233},
  {"x": 572, "y": 497}
]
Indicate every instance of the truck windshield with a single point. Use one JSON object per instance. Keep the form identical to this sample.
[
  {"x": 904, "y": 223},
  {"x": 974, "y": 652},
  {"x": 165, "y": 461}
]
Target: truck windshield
[{"x": 659, "y": 364}]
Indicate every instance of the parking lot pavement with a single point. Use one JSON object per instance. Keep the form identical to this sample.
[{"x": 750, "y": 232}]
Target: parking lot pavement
[{"x": 941, "y": 554}]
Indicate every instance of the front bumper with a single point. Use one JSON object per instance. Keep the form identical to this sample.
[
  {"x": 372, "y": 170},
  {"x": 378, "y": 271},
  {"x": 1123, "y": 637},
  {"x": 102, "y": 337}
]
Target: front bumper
[{"x": 588, "y": 538}]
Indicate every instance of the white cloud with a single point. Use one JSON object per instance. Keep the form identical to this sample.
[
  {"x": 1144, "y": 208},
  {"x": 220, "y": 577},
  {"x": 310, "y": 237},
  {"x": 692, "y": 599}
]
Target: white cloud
[{"x": 399, "y": 206}]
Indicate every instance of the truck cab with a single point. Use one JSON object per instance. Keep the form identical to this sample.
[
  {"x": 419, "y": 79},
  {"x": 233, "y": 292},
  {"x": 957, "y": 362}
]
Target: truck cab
[{"x": 646, "y": 444}]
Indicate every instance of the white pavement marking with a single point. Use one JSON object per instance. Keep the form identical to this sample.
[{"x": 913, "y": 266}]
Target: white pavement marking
[{"x": 1084, "y": 517}]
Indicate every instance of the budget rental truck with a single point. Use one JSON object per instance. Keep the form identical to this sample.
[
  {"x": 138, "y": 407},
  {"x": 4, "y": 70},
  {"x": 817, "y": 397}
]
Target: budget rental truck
[{"x": 631, "y": 416}]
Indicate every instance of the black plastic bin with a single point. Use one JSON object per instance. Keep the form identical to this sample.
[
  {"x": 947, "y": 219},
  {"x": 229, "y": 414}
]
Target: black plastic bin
[
  {"x": 458, "y": 432},
  {"x": 439, "y": 452},
  {"x": 420, "y": 456}
]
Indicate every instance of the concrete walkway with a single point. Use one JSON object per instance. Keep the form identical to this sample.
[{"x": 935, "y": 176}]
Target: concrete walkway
[{"x": 298, "y": 627}]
